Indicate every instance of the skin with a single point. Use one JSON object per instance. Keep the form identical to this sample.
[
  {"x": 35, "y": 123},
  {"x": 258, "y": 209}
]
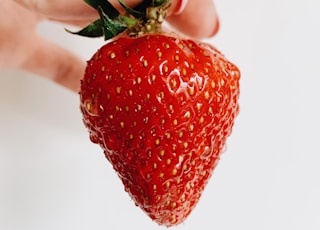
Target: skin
[{"x": 22, "y": 48}]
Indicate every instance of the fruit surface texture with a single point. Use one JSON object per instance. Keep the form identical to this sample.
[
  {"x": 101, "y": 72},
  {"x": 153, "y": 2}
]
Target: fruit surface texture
[{"x": 161, "y": 107}]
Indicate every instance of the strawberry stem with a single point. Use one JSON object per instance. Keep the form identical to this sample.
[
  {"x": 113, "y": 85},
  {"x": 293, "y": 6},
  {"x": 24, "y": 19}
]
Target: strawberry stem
[{"x": 144, "y": 18}]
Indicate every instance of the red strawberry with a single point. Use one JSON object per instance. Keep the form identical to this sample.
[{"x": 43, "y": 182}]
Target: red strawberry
[{"x": 161, "y": 107}]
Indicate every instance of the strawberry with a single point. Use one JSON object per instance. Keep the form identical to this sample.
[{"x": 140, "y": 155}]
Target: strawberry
[{"x": 160, "y": 106}]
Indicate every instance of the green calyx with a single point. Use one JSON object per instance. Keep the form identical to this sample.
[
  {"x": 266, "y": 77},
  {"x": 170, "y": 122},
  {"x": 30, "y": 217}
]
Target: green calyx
[{"x": 144, "y": 18}]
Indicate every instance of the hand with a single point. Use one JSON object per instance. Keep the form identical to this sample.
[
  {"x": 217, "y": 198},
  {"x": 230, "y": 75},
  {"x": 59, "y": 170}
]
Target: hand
[{"x": 22, "y": 48}]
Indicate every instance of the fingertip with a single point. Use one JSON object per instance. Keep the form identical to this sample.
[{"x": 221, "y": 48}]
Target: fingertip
[
  {"x": 194, "y": 19},
  {"x": 215, "y": 28}
]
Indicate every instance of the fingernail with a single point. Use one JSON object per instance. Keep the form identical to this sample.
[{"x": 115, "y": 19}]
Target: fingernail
[{"x": 181, "y": 7}]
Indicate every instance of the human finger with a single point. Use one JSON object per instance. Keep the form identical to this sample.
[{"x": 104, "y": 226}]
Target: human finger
[
  {"x": 193, "y": 18},
  {"x": 55, "y": 63},
  {"x": 71, "y": 10}
]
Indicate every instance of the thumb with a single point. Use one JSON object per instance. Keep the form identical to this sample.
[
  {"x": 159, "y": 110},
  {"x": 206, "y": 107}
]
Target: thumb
[{"x": 197, "y": 19}]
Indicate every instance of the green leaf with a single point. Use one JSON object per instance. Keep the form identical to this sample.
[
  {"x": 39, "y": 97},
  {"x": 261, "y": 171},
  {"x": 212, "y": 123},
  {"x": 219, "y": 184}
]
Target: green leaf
[
  {"x": 134, "y": 13},
  {"x": 106, "y": 6},
  {"x": 143, "y": 5},
  {"x": 93, "y": 30},
  {"x": 111, "y": 27},
  {"x": 159, "y": 2}
]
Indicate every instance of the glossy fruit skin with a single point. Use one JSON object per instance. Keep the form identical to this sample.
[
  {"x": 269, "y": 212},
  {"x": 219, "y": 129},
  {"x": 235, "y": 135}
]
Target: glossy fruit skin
[{"x": 161, "y": 107}]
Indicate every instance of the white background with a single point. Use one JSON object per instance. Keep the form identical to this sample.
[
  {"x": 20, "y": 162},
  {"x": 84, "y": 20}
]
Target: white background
[{"x": 53, "y": 177}]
